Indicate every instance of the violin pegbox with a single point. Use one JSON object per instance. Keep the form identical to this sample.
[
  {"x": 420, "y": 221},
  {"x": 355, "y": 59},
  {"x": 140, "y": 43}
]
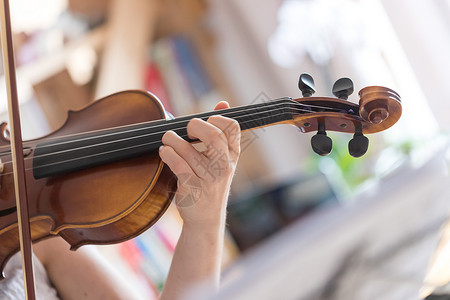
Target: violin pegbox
[{"x": 379, "y": 108}]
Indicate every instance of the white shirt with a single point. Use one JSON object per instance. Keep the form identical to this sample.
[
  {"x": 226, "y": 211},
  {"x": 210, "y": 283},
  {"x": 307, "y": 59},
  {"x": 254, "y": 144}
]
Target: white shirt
[{"x": 12, "y": 287}]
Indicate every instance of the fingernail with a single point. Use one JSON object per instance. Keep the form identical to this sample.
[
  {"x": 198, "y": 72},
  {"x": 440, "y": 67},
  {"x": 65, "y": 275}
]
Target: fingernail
[{"x": 160, "y": 148}]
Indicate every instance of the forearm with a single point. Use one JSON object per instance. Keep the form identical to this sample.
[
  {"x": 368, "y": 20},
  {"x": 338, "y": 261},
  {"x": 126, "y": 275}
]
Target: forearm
[
  {"x": 83, "y": 274},
  {"x": 198, "y": 255},
  {"x": 196, "y": 261}
]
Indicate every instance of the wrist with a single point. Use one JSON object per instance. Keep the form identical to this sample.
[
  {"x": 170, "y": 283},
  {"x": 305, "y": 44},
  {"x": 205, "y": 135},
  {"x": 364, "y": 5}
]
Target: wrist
[
  {"x": 210, "y": 224},
  {"x": 206, "y": 213}
]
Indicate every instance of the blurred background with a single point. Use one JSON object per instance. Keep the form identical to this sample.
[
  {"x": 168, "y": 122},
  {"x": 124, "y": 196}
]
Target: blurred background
[{"x": 194, "y": 53}]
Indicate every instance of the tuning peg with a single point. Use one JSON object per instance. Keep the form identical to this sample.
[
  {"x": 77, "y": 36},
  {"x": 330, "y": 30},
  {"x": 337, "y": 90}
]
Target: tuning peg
[
  {"x": 306, "y": 85},
  {"x": 358, "y": 145},
  {"x": 321, "y": 143},
  {"x": 342, "y": 88}
]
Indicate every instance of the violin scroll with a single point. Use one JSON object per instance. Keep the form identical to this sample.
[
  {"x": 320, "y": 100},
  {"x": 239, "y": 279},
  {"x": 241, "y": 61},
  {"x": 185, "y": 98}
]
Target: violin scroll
[
  {"x": 377, "y": 102},
  {"x": 379, "y": 108}
]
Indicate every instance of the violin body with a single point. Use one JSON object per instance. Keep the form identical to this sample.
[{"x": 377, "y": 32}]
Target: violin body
[{"x": 101, "y": 205}]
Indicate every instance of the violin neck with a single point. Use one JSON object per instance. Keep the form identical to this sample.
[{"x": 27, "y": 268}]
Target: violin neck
[
  {"x": 69, "y": 154},
  {"x": 249, "y": 117}
]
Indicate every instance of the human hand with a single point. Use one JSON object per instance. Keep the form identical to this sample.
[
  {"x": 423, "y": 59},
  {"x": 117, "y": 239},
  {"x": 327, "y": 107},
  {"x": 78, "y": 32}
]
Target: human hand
[{"x": 204, "y": 177}]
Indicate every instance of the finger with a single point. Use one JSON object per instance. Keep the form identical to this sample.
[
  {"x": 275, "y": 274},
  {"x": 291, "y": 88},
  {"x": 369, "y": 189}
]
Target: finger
[
  {"x": 176, "y": 163},
  {"x": 186, "y": 151},
  {"x": 231, "y": 130},
  {"x": 222, "y": 105},
  {"x": 210, "y": 135},
  {"x": 233, "y": 136},
  {"x": 185, "y": 194}
]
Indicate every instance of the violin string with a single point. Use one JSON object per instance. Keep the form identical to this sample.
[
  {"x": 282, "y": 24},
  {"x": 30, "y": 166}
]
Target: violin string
[
  {"x": 274, "y": 102},
  {"x": 163, "y": 123},
  {"x": 132, "y": 137},
  {"x": 110, "y": 151},
  {"x": 182, "y": 119},
  {"x": 176, "y": 121},
  {"x": 99, "y": 144},
  {"x": 292, "y": 104},
  {"x": 105, "y": 152},
  {"x": 128, "y": 138},
  {"x": 142, "y": 135}
]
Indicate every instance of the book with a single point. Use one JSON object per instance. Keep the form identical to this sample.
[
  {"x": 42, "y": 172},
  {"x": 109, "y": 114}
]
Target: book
[
  {"x": 155, "y": 84},
  {"x": 181, "y": 98}
]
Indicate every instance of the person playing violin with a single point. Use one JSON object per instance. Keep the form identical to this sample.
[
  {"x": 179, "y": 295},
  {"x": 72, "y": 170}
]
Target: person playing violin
[{"x": 84, "y": 274}]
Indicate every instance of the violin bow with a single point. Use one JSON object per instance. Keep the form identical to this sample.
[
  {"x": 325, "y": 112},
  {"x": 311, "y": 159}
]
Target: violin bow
[{"x": 17, "y": 152}]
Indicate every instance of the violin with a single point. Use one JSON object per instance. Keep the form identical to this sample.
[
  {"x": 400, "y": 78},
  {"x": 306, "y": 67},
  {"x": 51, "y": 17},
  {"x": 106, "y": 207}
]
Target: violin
[{"x": 99, "y": 178}]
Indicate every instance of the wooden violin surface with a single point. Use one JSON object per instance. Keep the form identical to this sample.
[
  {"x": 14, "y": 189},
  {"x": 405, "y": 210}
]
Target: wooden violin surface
[{"x": 92, "y": 205}]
